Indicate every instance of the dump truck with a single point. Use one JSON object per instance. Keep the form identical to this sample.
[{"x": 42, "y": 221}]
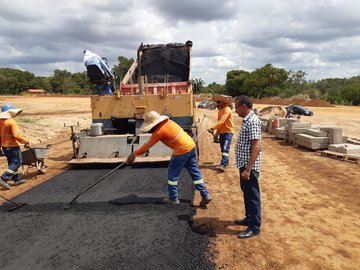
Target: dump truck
[{"x": 158, "y": 80}]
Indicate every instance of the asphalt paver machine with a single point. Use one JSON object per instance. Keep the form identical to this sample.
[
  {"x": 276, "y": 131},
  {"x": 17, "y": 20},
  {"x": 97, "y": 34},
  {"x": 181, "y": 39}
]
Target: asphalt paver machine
[{"x": 159, "y": 80}]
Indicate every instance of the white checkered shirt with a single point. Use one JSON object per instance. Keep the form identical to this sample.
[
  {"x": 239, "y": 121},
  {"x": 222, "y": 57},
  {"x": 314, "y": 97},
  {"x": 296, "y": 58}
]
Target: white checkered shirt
[{"x": 250, "y": 130}]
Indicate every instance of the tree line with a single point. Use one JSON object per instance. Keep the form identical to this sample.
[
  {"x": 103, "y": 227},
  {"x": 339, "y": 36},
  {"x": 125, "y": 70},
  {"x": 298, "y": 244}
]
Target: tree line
[
  {"x": 267, "y": 81},
  {"x": 270, "y": 81}
]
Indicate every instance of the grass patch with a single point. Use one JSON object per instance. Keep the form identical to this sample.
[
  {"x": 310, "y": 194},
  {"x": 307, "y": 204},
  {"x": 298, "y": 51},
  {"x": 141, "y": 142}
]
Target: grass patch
[{"x": 27, "y": 120}]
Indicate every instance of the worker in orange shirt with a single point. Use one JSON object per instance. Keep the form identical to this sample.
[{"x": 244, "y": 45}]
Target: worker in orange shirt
[
  {"x": 10, "y": 138},
  {"x": 224, "y": 128},
  {"x": 184, "y": 156}
]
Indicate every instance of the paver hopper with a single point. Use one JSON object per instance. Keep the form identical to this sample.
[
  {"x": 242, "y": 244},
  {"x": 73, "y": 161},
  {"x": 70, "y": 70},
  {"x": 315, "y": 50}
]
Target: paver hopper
[{"x": 159, "y": 80}]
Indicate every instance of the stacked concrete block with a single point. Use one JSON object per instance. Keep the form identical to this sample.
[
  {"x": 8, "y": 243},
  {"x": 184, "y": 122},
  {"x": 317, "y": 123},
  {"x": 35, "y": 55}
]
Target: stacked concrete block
[
  {"x": 316, "y": 132},
  {"x": 280, "y": 132},
  {"x": 283, "y": 122},
  {"x": 335, "y": 134},
  {"x": 335, "y": 147},
  {"x": 264, "y": 126},
  {"x": 295, "y": 128},
  {"x": 312, "y": 142},
  {"x": 352, "y": 141},
  {"x": 345, "y": 148},
  {"x": 269, "y": 126}
]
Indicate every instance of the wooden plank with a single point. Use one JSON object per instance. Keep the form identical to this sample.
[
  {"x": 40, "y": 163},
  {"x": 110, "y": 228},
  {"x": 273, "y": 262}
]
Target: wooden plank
[{"x": 341, "y": 156}]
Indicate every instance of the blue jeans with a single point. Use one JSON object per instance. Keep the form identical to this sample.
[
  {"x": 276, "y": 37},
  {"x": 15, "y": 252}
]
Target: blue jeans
[
  {"x": 225, "y": 142},
  {"x": 14, "y": 160},
  {"x": 104, "y": 89},
  {"x": 252, "y": 199},
  {"x": 189, "y": 162}
]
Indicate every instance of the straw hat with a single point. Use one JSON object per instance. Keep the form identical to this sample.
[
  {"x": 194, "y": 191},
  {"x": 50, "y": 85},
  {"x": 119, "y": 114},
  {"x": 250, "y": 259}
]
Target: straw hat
[
  {"x": 151, "y": 119},
  {"x": 10, "y": 113},
  {"x": 222, "y": 98}
]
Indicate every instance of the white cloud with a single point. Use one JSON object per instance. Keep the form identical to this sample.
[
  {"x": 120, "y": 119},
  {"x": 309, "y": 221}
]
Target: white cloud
[{"x": 319, "y": 37}]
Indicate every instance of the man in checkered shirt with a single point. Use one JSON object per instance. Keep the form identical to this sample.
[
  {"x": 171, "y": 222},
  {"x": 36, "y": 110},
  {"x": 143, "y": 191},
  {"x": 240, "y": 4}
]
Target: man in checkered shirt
[{"x": 248, "y": 161}]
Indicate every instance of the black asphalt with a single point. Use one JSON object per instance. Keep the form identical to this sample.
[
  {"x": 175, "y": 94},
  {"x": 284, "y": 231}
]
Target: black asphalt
[{"x": 134, "y": 231}]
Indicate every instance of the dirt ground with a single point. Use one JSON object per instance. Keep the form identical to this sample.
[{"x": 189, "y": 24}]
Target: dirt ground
[{"x": 311, "y": 204}]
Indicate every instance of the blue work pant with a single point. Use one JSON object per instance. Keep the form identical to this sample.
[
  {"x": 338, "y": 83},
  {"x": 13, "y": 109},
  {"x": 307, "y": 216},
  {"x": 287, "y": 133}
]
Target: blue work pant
[
  {"x": 104, "y": 89},
  {"x": 189, "y": 162},
  {"x": 14, "y": 160},
  {"x": 252, "y": 200},
  {"x": 225, "y": 142}
]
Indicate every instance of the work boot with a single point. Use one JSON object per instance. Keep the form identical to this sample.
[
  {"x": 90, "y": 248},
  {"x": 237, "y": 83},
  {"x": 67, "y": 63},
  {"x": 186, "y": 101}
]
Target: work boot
[
  {"x": 19, "y": 182},
  {"x": 205, "y": 200},
  {"x": 4, "y": 184},
  {"x": 170, "y": 201}
]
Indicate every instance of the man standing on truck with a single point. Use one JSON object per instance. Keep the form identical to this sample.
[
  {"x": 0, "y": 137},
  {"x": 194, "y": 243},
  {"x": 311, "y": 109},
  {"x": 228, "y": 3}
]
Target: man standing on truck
[
  {"x": 224, "y": 128},
  {"x": 184, "y": 156},
  {"x": 9, "y": 138},
  {"x": 92, "y": 59}
]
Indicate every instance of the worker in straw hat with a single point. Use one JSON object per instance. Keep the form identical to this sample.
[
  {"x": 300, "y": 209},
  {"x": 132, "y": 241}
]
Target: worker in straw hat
[
  {"x": 10, "y": 138},
  {"x": 224, "y": 128},
  {"x": 184, "y": 156}
]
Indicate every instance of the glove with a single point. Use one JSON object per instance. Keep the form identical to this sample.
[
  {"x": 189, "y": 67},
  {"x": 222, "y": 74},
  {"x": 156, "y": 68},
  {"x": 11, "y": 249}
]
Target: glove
[
  {"x": 112, "y": 76},
  {"x": 27, "y": 145},
  {"x": 210, "y": 130},
  {"x": 130, "y": 159},
  {"x": 216, "y": 139}
]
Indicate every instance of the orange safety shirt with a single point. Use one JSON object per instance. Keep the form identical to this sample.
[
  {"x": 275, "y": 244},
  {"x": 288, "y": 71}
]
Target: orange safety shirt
[
  {"x": 170, "y": 134},
  {"x": 10, "y": 133},
  {"x": 225, "y": 122}
]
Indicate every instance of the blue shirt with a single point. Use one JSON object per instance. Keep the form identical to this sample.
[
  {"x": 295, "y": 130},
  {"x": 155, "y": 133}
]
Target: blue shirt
[{"x": 95, "y": 60}]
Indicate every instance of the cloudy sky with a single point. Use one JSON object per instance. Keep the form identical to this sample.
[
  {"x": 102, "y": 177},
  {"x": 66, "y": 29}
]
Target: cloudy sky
[{"x": 320, "y": 37}]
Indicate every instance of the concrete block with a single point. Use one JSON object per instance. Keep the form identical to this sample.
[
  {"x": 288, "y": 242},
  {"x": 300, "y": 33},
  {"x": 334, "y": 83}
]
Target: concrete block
[
  {"x": 335, "y": 147},
  {"x": 264, "y": 126},
  {"x": 282, "y": 122},
  {"x": 311, "y": 145},
  {"x": 291, "y": 120},
  {"x": 297, "y": 130},
  {"x": 280, "y": 132},
  {"x": 335, "y": 134},
  {"x": 350, "y": 149},
  {"x": 316, "y": 133},
  {"x": 353, "y": 141},
  {"x": 312, "y": 139},
  {"x": 292, "y": 137},
  {"x": 300, "y": 125}
]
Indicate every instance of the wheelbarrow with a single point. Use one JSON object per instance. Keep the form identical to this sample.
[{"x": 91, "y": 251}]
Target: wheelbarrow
[{"x": 34, "y": 157}]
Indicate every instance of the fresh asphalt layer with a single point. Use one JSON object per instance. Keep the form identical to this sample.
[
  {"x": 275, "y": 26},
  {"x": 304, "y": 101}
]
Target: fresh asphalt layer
[{"x": 134, "y": 231}]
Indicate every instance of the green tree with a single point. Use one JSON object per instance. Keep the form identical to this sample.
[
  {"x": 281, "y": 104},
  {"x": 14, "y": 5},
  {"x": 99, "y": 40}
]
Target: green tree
[
  {"x": 214, "y": 88},
  {"x": 14, "y": 81},
  {"x": 197, "y": 85},
  {"x": 123, "y": 66},
  {"x": 61, "y": 82},
  {"x": 296, "y": 80},
  {"x": 235, "y": 80}
]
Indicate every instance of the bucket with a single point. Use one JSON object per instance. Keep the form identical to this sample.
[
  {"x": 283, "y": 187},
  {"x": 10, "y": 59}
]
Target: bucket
[
  {"x": 276, "y": 122},
  {"x": 96, "y": 129}
]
